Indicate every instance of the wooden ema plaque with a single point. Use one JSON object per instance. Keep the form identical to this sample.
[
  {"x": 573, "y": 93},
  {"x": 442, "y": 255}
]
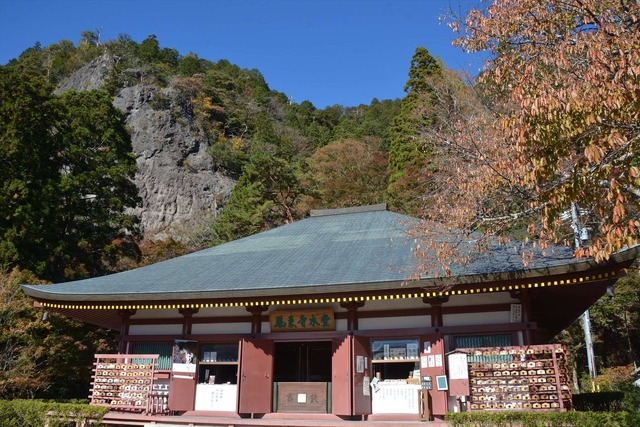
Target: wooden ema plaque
[
  {"x": 534, "y": 377},
  {"x": 123, "y": 381}
]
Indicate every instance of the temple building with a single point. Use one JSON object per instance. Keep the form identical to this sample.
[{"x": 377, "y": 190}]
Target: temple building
[{"x": 320, "y": 320}]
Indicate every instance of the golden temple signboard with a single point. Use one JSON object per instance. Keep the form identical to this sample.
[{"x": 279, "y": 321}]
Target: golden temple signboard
[{"x": 302, "y": 320}]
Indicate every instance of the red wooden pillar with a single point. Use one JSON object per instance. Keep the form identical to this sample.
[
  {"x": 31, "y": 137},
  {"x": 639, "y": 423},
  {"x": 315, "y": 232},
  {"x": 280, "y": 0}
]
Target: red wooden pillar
[
  {"x": 352, "y": 314},
  {"x": 527, "y": 317},
  {"x": 436, "y": 310},
  {"x": 125, "y": 315},
  {"x": 187, "y": 321},
  {"x": 256, "y": 317},
  {"x": 436, "y": 399}
]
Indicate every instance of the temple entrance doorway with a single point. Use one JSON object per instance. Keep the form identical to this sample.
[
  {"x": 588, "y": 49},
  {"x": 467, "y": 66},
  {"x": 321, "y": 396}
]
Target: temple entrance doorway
[{"x": 302, "y": 376}]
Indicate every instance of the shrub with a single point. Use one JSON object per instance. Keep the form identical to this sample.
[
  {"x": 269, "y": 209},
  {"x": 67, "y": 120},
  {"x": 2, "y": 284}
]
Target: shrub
[
  {"x": 37, "y": 413},
  {"x": 605, "y": 401},
  {"x": 543, "y": 419}
]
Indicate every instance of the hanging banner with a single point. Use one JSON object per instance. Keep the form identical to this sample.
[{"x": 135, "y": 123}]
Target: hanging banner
[{"x": 302, "y": 320}]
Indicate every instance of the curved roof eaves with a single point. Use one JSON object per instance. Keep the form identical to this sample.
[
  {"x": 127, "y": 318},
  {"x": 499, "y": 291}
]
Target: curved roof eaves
[{"x": 321, "y": 252}]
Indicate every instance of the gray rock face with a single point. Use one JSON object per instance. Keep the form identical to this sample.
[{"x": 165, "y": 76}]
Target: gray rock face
[
  {"x": 177, "y": 179},
  {"x": 89, "y": 77}
]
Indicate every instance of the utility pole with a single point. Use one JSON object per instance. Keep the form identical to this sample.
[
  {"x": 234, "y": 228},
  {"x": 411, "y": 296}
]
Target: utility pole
[
  {"x": 591, "y": 358},
  {"x": 586, "y": 320}
]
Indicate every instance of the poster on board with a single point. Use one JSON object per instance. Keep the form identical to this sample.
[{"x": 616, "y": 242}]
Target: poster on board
[
  {"x": 441, "y": 382},
  {"x": 184, "y": 359}
]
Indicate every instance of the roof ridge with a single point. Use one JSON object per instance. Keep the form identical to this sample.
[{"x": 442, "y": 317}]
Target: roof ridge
[{"x": 352, "y": 209}]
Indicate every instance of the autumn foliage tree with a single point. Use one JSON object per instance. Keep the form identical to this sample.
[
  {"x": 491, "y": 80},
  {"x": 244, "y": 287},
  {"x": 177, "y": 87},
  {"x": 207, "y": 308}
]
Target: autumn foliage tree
[
  {"x": 562, "y": 125},
  {"x": 43, "y": 358},
  {"x": 471, "y": 186},
  {"x": 348, "y": 173}
]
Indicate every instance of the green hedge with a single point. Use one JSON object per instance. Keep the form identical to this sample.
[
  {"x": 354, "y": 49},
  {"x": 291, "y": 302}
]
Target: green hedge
[
  {"x": 36, "y": 413},
  {"x": 601, "y": 401},
  {"x": 544, "y": 419}
]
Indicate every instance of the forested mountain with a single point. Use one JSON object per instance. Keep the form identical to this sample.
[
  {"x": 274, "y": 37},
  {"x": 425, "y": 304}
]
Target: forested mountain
[
  {"x": 195, "y": 124},
  {"x": 118, "y": 153}
]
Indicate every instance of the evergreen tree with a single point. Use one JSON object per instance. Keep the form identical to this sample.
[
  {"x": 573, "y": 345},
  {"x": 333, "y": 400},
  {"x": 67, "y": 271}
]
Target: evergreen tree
[
  {"x": 65, "y": 181},
  {"x": 96, "y": 186},
  {"x": 245, "y": 212},
  {"x": 189, "y": 65},
  {"x": 149, "y": 49},
  {"x": 31, "y": 120},
  {"x": 406, "y": 156},
  {"x": 265, "y": 197},
  {"x": 369, "y": 123}
]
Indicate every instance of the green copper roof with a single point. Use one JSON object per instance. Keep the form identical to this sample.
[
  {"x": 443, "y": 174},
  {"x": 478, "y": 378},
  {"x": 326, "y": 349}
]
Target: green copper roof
[{"x": 331, "y": 251}]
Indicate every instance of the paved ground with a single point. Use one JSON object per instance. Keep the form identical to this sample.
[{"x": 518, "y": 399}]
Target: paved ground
[{"x": 120, "y": 419}]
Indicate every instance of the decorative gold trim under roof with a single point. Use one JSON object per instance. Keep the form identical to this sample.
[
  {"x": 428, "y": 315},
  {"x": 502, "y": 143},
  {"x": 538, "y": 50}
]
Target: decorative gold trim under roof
[{"x": 362, "y": 298}]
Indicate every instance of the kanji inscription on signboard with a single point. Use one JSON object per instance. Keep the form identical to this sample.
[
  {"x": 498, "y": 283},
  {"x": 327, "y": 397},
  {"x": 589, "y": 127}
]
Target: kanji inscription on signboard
[{"x": 302, "y": 320}]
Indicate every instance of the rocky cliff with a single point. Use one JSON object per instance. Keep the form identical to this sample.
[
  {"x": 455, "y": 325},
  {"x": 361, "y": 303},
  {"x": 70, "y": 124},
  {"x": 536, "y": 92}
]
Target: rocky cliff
[{"x": 177, "y": 179}]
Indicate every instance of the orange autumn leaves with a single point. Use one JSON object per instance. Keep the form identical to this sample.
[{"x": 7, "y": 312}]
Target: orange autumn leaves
[{"x": 557, "y": 121}]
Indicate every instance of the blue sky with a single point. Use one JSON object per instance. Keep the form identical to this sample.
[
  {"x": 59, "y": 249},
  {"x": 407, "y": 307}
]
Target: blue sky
[{"x": 325, "y": 51}]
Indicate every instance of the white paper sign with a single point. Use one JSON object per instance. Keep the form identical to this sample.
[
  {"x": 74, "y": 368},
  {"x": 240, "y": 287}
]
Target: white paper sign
[
  {"x": 365, "y": 386},
  {"x": 438, "y": 360},
  {"x": 458, "y": 366},
  {"x": 184, "y": 367},
  {"x": 516, "y": 313},
  {"x": 424, "y": 361}
]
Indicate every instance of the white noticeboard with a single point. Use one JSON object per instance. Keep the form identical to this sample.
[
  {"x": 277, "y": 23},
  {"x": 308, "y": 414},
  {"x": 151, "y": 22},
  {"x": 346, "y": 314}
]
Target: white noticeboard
[
  {"x": 216, "y": 397},
  {"x": 458, "y": 374},
  {"x": 458, "y": 366},
  {"x": 395, "y": 398}
]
